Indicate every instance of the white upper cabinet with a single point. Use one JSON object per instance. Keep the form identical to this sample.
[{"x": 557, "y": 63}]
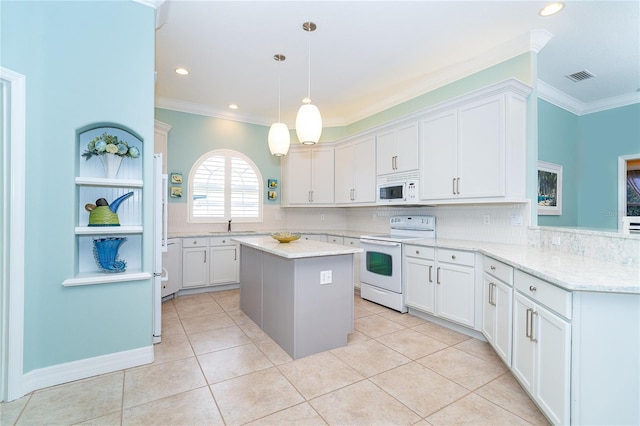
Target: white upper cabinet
[
  {"x": 397, "y": 149},
  {"x": 308, "y": 176},
  {"x": 355, "y": 171},
  {"x": 475, "y": 150}
]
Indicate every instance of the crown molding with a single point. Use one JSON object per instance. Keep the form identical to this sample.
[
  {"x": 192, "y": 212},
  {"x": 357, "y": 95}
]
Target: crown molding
[
  {"x": 560, "y": 99},
  {"x": 200, "y": 109}
]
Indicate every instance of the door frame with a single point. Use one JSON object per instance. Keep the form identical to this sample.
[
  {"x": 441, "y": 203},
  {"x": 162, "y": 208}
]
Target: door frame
[
  {"x": 622, "y": 186},
  {"x": 12, "y": 143}
]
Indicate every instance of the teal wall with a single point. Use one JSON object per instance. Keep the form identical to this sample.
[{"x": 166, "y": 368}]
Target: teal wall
[
  {"x": 605, "y": 136},
  {"x": 558, "y": 143},
  {"x": 84, "y": 62},
  {"x": 588, "y": 148}
]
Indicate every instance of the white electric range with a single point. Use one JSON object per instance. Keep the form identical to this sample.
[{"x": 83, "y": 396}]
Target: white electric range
[{"x": 381, "y": 278}]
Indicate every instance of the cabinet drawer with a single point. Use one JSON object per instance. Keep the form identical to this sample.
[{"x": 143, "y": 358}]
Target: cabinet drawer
[
  {"x": 221, "y": 241},
  {"x": 194, "y": 242},
  {"x": 456, "y": 257},
  {"x": 546, "y": 293},
  {"x": 351, "y": 242},
  {"x": 420, "y": 252},
  {"x": 500, "y": 270}
]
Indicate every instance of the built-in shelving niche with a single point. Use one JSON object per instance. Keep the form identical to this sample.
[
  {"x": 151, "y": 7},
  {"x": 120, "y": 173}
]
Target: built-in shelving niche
[{"x": 91, "y": 184}]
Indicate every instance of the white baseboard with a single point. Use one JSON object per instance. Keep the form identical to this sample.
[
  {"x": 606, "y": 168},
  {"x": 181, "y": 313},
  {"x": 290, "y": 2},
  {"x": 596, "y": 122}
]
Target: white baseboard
[{"x": 81, "y": 369}]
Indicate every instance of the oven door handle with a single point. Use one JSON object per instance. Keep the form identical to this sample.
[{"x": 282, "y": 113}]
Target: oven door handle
[{"x": 380, "y": 243}]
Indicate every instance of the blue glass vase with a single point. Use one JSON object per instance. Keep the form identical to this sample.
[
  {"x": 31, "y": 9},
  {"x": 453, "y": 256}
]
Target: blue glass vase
[{"x": 105, "y": 251}]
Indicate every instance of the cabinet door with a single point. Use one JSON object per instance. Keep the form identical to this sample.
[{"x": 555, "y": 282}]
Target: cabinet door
[
  {"x": 455, "y": 293},
  {"x": 481, "y": 149},
  {"x": 523, "y": 348},
  {"x": 298, "y": 176},
  {"x": 488, "y": 309},
  {"x": 503, "y": 300},
  {"x": 322, "y": 169},
  {"x": 553, "y": 336},
  {"x": 438, "y": 167},
  {"x": 419, "y": 281},
  {"x": 364, "y": 171},
  {"x": 195, "y": 270},
  {"x": 171, "y": 261},
  {"x": 223, "y": 265},
  {"x": 407, "y": 151},
  {"x": 386, "y": 151},
  {"x": 344, "y": 172}
]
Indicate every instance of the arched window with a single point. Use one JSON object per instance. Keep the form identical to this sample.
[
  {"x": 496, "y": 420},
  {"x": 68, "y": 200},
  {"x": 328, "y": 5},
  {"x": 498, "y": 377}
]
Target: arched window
[{"x": 225, "y": 184}]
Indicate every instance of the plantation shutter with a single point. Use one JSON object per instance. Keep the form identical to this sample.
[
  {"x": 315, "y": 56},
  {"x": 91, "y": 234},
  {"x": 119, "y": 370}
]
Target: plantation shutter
[
  {"x": 209, "y": 188},
  {"x": 245, "y": 191}
]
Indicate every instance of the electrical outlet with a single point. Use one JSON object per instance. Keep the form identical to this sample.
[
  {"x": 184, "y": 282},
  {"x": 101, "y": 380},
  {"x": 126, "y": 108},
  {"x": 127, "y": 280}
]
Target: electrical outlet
[
  {"x": 555, "y": 241},
  {"x": 278, "y": 216},
  {"x": 325, "y": 277},
  {"x": 516, "y": 220},
  {"x": 487, "y": 219},
  {"x": 321, "y": 216}
]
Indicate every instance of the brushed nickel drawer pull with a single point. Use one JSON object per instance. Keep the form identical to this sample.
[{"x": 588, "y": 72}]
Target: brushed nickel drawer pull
[{"x": 532, "y": 288}]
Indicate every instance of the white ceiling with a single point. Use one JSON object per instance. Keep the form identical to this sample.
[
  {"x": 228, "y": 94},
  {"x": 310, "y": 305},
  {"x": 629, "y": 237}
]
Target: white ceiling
[{"x": 367, "y": 56}]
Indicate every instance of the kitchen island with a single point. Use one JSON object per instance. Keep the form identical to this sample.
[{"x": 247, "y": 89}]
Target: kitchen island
[{"x": 299, "y": 293}]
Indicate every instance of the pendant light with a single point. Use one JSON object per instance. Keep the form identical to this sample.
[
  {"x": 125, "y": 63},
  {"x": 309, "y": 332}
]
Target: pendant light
[
  {"x": 279, "y": 137},
  {"x": 308, "y": 120}
]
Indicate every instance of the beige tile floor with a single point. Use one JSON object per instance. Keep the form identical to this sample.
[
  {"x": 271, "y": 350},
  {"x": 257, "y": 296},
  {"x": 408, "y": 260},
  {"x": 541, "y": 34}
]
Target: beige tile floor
[{"x": 215, "y": 366}]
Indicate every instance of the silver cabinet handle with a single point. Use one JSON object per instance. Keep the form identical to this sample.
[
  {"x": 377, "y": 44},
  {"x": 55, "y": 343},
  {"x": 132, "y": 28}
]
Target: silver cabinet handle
[
  {"x": 453, "y": 186},
  {"x": 532, "y": 288},
  {"x": 438, "y": 275},
  {"x": 355, "y": 194},
  {"x": 235, "y": 254},
  {"x": 205, "y": 255},
  {"x": 527, "y": 332},
  {"x": 453, "y": 257},
  {"x": 458, "y": 186},
  {"x": 430, "y": 268},
  {"x": 417, "y": 251},
  {"x": 492, "y": 299},
  {"x": 493, "y": 268},
  {"x": 532, "y": 314}
]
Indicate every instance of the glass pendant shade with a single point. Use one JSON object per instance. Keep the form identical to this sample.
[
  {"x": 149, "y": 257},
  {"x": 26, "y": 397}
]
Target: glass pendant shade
[
  {"x": 308, "y": 124},
  {"x": 279, "y": 139}
]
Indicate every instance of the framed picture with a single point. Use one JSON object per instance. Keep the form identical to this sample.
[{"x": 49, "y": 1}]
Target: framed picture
[
  {"x": 272, "y": 195},
  {"x": 272, "y": 183},
  {"x": 176, "y": 191},
  {"x": 176, "y": 178},
  {"x": 549, "y": 189}
]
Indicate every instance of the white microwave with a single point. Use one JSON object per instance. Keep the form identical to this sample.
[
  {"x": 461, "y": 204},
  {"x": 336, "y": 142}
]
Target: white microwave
[{"x": 397, "y": 190}]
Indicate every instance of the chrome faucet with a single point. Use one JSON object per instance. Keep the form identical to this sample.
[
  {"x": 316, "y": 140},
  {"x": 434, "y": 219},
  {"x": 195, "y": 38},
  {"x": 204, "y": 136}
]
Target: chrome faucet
[{"x": 229, "y": 226}]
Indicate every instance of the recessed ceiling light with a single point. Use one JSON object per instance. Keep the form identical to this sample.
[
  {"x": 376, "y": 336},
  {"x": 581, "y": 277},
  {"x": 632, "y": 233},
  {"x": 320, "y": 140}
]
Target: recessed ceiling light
[
  {"x": 182, "y": 71},
  {"x": 551, "y": 9},
  {"x": 233, "y": 106}
]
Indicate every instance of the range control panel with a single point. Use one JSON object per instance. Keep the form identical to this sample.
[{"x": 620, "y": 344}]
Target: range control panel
[{"x": 413, "y": 222}]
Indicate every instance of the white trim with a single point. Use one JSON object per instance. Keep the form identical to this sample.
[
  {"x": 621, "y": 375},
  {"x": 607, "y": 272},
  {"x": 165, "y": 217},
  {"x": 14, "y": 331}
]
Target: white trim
[
  {"x": 88, "y": 367},
  {"x": 12, "y": 343},
  {"x": 560, "y": 99},
  {"x": 622, "y": 187}
]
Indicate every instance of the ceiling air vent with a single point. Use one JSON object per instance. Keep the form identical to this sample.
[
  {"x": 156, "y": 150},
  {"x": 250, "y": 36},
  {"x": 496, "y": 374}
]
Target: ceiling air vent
[{"x": 580, "y": 75}]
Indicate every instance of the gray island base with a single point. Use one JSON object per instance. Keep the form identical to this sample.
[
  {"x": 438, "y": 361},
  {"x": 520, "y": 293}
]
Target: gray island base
[{"x": 298, "y": 293}]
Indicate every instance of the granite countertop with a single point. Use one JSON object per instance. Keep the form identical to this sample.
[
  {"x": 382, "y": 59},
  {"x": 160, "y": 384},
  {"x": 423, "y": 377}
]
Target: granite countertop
[
  {"x": 200, "y": 234},
  {"x": 571, "y": 272},
  {"x": 295, "y": 249}
]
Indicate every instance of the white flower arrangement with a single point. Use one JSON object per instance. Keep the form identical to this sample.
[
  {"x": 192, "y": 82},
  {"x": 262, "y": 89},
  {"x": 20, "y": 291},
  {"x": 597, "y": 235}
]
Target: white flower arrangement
[{"x": 109, "y": 144}]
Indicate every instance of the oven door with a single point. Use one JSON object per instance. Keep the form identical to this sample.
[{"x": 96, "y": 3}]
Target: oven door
[{"x": 381, "y": 263}]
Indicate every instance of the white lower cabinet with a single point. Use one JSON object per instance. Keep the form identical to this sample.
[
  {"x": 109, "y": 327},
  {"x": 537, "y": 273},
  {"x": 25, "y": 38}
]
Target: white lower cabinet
[
  {"x": 209, "y": 261},
  {"x": 542, "y": 345},
  {"x": 497, "y": 306},
  {"x": 441, "y": 282},
  {"x": 315, "y": 237}
]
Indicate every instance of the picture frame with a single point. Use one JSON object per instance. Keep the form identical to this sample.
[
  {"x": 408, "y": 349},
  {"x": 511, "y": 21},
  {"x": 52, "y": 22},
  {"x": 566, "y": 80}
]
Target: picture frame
[
  {"x": 272, "y": 183},
  {"x": 176, "y": 178},
  {"x": 272, "y": 195},
  {"x": 549, "y": 189},
  {"x": 176, "y": 191}
]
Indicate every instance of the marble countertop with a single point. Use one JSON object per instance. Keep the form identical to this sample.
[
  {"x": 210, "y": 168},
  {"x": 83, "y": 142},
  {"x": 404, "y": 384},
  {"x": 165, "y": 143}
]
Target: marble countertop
[
  {"x": 571, "y": 272},
  {"x": 296, "y": 249}
]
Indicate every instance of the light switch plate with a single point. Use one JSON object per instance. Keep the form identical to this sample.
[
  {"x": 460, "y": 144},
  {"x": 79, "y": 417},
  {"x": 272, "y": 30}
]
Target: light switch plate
[{"x": 325, "y": 277}]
